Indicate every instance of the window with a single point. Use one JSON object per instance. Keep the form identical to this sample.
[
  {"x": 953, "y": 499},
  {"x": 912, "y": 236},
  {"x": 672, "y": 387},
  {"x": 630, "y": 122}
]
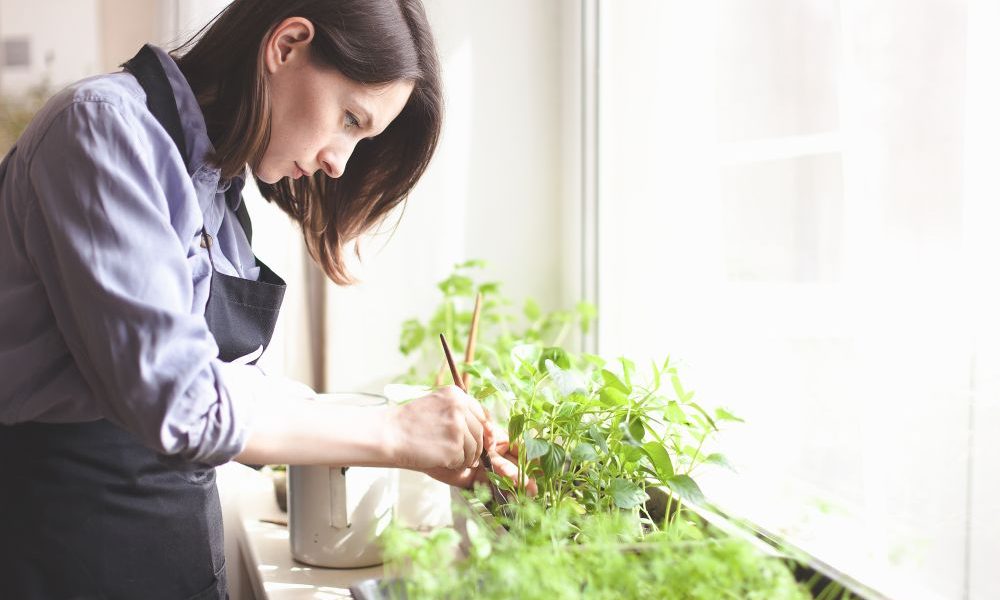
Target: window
[{"x": 795, "y": 201}]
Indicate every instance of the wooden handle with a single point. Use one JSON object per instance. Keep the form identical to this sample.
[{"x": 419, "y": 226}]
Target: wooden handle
[
  {"x": 451, "y": 364},
  {"x": 498, "y": 495},
  {"x": 470, "y": 348}
]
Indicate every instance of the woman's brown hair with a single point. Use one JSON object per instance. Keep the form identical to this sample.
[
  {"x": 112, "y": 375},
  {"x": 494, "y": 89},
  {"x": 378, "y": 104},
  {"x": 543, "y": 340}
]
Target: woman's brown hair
[{"x": 369, "y": 41}]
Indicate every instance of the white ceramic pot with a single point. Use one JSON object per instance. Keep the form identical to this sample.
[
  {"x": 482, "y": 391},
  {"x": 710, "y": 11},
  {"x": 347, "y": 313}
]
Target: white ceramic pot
[{"x": 337, "y": 514}]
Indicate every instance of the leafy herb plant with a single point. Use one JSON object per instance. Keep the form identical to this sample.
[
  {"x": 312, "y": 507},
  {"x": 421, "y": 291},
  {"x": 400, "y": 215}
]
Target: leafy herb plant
[
  {"x": 614, "y": 452},
  {"x": 538, "y": 560}
]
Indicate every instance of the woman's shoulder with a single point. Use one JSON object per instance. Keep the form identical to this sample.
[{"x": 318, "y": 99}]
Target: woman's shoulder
[{"x": 106, "y": 96}]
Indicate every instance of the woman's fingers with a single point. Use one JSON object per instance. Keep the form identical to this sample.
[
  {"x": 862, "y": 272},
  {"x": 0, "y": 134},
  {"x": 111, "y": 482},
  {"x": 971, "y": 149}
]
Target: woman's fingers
[
  {"x": 474, "y": 440},
  {"x": 505, "y": 467},
  {"x": 489, "y": 436},
  {"x": 469, "y": 448},
  {"x": 474, "y": 406},
  {"x": 470, "y": 422}
]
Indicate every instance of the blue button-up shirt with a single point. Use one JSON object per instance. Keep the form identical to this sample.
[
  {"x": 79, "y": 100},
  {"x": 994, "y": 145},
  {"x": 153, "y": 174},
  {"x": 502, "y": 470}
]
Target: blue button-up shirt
[{"x": 103, "y": 277}]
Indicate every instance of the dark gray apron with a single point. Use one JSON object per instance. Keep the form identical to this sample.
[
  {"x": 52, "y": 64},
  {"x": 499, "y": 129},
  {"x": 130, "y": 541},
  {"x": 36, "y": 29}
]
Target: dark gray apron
[{"x": 87, "y": 511}]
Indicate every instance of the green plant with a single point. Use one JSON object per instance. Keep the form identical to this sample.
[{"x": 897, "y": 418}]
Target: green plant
[
  {"x": 599, "y": 439},
  {"x": 500, "y": 328},
  {"x": 593, "y": 436},
  {"x": 538, "y": 559}
]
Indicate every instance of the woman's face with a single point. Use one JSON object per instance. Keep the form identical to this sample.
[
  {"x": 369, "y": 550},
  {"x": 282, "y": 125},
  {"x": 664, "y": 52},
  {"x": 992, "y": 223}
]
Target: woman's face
[{"x": 317, "y": 114}]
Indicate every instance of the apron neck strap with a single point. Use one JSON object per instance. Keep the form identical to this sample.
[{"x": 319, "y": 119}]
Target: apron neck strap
[
  {"x": 148, "y": 71},
  {"x": 146, "y": 68}
]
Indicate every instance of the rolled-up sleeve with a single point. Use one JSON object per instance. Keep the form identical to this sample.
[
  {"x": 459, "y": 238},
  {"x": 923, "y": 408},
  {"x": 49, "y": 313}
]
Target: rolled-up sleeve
[{"x": 118, "y": 279}]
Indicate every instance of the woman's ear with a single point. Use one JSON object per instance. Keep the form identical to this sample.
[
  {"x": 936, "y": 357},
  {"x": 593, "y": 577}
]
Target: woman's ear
[{"x": 288, "y": 43}]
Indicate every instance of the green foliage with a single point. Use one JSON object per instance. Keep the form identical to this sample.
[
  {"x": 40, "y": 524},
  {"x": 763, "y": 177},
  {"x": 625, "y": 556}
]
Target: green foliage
[
  {"x": 537, "y": 559},
  {"x": 597, "y": 436}
]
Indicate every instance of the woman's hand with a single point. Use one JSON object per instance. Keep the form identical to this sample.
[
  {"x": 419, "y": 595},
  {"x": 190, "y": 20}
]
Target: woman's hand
[
  {"x": 442, "y": 430},
  {"x": 503, "y": 456}
]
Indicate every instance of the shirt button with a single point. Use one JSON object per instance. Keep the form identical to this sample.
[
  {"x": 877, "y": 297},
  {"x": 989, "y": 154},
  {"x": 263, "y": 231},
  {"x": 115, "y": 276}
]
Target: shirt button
[{"x": 206, "y": 241}]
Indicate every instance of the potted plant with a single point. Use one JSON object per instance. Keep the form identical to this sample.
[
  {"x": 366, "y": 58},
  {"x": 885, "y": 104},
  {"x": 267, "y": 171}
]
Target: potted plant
[{"x": 618, "y": 512}]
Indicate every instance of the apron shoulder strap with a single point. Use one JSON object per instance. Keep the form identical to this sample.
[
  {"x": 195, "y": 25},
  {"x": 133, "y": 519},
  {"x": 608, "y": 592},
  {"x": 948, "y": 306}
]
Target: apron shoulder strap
[{"x": 146, "y": 68}]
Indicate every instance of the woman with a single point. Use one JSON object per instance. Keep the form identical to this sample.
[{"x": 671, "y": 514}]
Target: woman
[{"x": 131, "y": 302}]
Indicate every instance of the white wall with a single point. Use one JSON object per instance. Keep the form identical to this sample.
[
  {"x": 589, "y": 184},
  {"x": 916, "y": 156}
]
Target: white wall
[
  {"x": 63, "y": 36},
  {"x": 493, "y": 190},
  {"x": 188, "y": 16}
]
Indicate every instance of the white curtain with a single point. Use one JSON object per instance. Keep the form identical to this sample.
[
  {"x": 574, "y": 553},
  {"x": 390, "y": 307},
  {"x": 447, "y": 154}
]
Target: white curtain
[{"x": 798, "y": 200}]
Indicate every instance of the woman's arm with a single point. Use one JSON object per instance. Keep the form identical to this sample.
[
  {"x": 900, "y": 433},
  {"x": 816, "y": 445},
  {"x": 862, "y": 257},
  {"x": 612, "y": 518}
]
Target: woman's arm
[
  {"x": 444, "y": 430},
  {"x": 106, "y": 201}
]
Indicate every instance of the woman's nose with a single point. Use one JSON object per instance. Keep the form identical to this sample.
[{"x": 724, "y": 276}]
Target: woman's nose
[
  {"x": 332, "y": 167},
  {"x": 335, "y": 161}
]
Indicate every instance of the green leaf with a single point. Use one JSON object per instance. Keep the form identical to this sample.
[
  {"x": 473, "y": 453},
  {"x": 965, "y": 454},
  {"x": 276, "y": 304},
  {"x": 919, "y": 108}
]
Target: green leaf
[
  {"x": 628, "y": 367},
  {"x": 611, "y": 397},
  {"x": 587, "y": 312},
  {"x": 682, "y": 395},
  {"x": 515, "y": 426},
  {"x": 456, "y": 285},
  {"x": 501, "y": 482},
  {"x": 612, "y": 380},
  {"x": 584, "y": 452},
  {"x": 536, "y": 448},
  {"x": 489, "y": 288},
  {"x": 598, "y": 437},
  {"x": 472, "y": 263},
  {"x": 525, "y": 355},
  {"x": 716, "y": 458},
  {"x": 412, "y": 336},
  {"x": 593, "y": 359},
  {"x": 691, "y": 451},
  {"x": 627, "y": 494},
  {"x": 556, "y": 355},
  {"x": 553, "y": 460},
  {"x": 567, "y": 409},
  {"x": 702, "y": 411},
  {"x": 686, "y": 488},
  {"x": 482, "y": 391},
  {"x": 478, "y": 370},
  {"x": 656, "y": 376},
  {"x": 532, "y": 310},
  {"x": 636, "y": 429},
  {"x": 674, "y": 413},
  {"x": 660, "y": 458},
  {"x": 574, "y": 506},
  {"x": 724, "y": 415},
  {"x": 631, "y": 454}
]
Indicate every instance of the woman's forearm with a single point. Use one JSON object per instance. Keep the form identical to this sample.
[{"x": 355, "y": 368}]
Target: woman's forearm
[
  {"x": 306, "y": 432},
  {"x": 444, "y": 429}
]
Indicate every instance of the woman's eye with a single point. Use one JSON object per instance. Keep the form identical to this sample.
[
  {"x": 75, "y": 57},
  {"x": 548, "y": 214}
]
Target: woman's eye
[{"x": 351, "y": 121}]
